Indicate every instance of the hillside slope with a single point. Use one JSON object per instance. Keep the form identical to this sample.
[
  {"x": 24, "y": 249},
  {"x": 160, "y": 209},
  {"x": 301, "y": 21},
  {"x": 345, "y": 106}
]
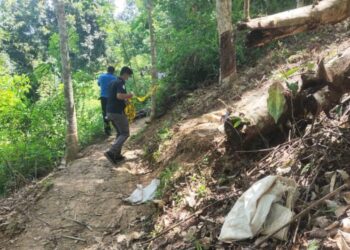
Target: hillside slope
[{"x": 81, "y": 207}]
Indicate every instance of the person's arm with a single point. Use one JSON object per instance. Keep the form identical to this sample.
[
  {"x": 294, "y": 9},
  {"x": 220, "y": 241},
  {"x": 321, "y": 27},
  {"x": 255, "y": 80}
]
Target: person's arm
[
  {"x": 99, "y": 81},
  {"x": 121, "y": 93},
  {"x": 121, "y": 96}
]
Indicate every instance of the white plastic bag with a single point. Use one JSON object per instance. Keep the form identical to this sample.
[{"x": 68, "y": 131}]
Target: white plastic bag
[
  {"x": 251, "y": 211},
  {"x": 141, "y": 194}
]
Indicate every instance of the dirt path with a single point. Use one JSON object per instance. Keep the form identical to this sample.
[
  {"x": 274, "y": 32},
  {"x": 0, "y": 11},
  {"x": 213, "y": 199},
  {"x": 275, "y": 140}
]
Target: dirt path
[{"x": 89, "y": 191}]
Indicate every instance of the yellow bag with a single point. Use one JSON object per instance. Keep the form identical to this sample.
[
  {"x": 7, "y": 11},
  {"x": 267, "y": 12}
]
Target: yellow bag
[{"x": 130, "y": 111}]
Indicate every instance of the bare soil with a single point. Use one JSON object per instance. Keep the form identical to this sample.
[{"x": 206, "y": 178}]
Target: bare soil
[{"x": 82, "y": 201}]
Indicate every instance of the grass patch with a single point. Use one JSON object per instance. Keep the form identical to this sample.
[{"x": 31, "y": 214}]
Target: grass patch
[{"x": 166, "y": 178}]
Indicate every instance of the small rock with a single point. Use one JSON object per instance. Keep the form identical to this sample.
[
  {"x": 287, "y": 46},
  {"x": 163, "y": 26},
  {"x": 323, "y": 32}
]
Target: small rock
[
  {"x": 331, "y": 204},
  {"x": 346, "y": 225},
  {"x": 318, "y": 233},
  {"x": 344, "y": 175},
  {"x": 190, "y": 233},
  {"x": 121, "y": 238},
  {"x": 322, "y": 222}
]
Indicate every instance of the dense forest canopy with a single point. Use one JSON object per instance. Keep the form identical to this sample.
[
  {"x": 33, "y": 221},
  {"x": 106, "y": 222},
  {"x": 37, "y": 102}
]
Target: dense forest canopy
[{"x": 32, "y": 116}]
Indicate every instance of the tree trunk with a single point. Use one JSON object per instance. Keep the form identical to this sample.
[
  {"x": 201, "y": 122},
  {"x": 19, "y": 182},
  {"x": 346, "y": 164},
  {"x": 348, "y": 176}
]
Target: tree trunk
[
  {"x": 300, "y": 3},
  {"x": 72, "y": 146},
  {"x": 283, "y": 24},
  {"x": 319, "y": 92},
  {"x": 226, "y": 40},
  {"x": 154, "y": 72},
  {"x": 247, "y": 10}
]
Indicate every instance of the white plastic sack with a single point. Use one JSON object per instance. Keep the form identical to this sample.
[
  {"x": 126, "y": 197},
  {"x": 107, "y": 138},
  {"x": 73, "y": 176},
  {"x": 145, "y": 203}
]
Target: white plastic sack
[
  {"x": 141, "y": 194},
  {"x": 249, "y": 214}
]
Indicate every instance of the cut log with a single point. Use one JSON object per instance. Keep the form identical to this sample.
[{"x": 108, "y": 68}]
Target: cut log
[
  {"x": 319, "y": 92},
  {"x": 283, "y": 24}
]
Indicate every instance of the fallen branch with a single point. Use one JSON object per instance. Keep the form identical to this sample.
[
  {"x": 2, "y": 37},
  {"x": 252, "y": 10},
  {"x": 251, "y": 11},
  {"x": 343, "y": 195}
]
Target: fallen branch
[
  {"x": 304, "y": 212},
  {"x": 184, "y": 220},
  {"x": 319, "y": 92},
  {"x": 81, "y": 223},
  {"x": 73, "y": 238}
]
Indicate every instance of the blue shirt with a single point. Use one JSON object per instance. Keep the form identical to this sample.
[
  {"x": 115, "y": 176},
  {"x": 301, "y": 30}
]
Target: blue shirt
[{"x": 103, "y": 81}]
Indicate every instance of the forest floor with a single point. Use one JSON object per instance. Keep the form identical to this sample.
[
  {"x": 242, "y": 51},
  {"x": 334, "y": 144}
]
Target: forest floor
[
  {"x": 81, "y": 206},
  {"x": 82, "y": 200}
]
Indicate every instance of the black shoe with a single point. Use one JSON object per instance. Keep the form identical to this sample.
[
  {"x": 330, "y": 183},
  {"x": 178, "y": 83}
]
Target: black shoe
[
  {"x": 110, "y": 157},
  {"x": 119, "y": 158}
]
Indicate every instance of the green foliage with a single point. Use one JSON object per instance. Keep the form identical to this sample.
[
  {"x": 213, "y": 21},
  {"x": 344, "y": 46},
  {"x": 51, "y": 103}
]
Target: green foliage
[
  {"x": 166, "y": 178},
  {"x": 33, "y": 133},
  {"x": 164, "y": 133},
  {"x": 313, "y": 245},
  {"x": 276, "y": 101},
  {"x": 293, "y": 87},
  {"x": 236, "y": 121},
  {"x": 290, "y": 72},
  {"x": 198, "y": 245},
  {"x": 32, "y": 117},
  {"x": 306, "y": 168}
]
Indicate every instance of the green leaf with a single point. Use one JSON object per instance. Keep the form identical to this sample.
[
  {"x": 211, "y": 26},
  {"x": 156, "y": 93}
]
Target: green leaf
[
  {"x": 306, "y": 168},
  {"x": 293, "y": 87},
  {"x": 276, "y": 101},
  {"x": 310, "y": 66},
  {"x": 313, "y": 245},
  {"x": 290, "y": 72},
  {"x": 236, "y": 121}
]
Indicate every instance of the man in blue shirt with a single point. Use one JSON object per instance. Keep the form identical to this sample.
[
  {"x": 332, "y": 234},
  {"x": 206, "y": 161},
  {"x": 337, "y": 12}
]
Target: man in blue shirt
[{"x": 103, "y": 81}]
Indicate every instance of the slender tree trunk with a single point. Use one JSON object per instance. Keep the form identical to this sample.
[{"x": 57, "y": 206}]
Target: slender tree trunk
[
  {"x": 72, "y": 146},
  {"x": 247, "y": 10},
  {"x": 153, "y": 58},
  {"x": 266, "y": 29},
  {"x": 300, "y": 3},
  {"x": 226, "y": 40}
]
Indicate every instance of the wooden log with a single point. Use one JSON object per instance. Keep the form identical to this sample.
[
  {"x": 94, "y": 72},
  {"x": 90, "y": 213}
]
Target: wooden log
[
  {"x": 287, "y": 23},
  {"x": 321, "y": 92}
]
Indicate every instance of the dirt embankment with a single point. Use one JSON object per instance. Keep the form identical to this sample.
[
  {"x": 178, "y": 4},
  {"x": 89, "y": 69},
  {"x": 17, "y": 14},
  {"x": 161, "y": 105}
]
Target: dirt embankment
[{"x": 81, "y": 207}]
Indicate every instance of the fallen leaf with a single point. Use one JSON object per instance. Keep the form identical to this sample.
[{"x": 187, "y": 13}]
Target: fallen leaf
[
  {"x": 331, "y": 204},
  {"x": 191, "y": 199},
  {"x": 332, "y": 183},
  {"x": 343, "y": 239},
  {"x": 332, "y": 226},
  {"x": 346, "y": 225},
  {"x": 339, "y": 211},
  {"x": 344, "y": 175},
  {"x": 346, "y": 197}
]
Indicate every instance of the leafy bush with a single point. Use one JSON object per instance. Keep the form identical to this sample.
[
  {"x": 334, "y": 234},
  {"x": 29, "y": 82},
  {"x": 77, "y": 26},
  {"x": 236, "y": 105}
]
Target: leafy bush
[{"x": 33, "y": 133}]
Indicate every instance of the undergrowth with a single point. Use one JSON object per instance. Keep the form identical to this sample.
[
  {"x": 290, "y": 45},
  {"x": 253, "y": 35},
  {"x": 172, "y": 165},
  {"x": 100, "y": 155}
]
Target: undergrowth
[{"x": 166, "y": 178}]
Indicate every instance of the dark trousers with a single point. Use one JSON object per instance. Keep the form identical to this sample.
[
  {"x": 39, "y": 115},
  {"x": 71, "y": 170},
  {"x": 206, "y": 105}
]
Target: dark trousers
[
  {"x": 121, "y": 124},
  {"x": 107, "y": 126}
]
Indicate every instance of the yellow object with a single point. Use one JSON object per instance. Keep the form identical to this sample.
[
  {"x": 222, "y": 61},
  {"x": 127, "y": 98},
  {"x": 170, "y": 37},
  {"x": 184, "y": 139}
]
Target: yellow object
[
  {"x": 149, "y": 94},
  {"x": 130, "y": 111}
]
